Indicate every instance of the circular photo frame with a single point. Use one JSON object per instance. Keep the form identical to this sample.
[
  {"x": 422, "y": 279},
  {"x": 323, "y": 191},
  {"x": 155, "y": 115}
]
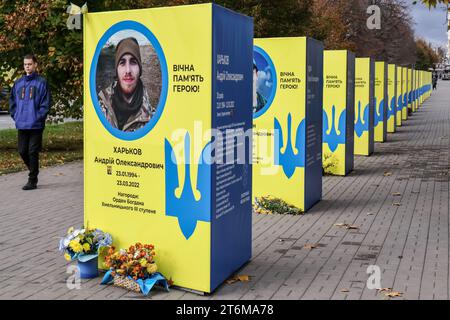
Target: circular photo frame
[
  {"x": 264, "y": 82},
  {"x": 124, "y": 79}
]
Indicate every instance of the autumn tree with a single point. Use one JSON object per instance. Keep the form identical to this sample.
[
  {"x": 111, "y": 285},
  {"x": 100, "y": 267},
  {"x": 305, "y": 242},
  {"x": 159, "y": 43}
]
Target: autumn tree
[
  {"x": 427, "y": 57},
  {"x": 342, "y": 24}
]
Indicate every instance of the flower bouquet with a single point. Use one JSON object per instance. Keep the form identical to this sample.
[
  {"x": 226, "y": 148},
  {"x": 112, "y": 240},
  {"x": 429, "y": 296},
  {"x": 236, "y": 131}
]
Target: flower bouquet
[
  {"x": 84, "y": 245},
  {"x": 134, "y": 269}
]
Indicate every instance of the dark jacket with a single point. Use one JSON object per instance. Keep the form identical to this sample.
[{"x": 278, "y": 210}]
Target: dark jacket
[{"x": 29, "y": 102}]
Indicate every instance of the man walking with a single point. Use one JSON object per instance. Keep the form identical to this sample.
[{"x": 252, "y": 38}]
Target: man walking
[
  {"x": 29, "y": 105},
  {"x": 435, "y": 79}
]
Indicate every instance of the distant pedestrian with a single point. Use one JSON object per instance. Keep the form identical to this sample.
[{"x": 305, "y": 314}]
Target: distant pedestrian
[
  {"x": 435, "y": 79},
  {"x": 29, "y": 105}
]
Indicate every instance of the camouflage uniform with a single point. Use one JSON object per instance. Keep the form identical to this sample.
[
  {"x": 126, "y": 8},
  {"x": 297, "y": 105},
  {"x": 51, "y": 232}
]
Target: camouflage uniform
[
  {"x": 260, "y": 102},
  {"x": 135, "y": 121}
]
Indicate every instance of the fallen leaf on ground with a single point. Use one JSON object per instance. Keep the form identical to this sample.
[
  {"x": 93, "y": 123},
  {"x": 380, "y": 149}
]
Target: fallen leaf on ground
[
  {"x": 309, "y": 246},
  {"x": 340, "y": 224},
  {"x": 345, "y": 290},
  {"x": 241, "y": 278},
  {"x": 370, "y": 213},
  {"x": 384, "y": 289},
  {"x": 396, "y": 194},
  {"x": 387, "y": 174},
  {"x": 393, "y": 294},
  {"x": 398, "y": 204},
  {"x": 346, "y": 225},
  {"x": 244, "y": 278}
]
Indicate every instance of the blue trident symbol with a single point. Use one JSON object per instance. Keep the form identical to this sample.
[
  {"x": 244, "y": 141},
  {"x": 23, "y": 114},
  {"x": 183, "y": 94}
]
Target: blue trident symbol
[
  {"x": 378, "y": 117},
  {"x": 405, "y": 101},
  {"x": 400, "y": 103},
  {"x": 332, "y": 138},
  {"x": 391, "y": 109},
  {"x": 289, "y": 160},
  {"x": 360, "y": 125},
  {"x": 186, "y": 208}
]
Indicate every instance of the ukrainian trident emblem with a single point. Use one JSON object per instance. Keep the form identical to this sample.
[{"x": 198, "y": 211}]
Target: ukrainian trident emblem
[
  {"x": 187, "y": 208},
  {"x": 378, "y": 112},
  {"x": 362, "y": 123},
  {"x": 289, "y": 159},
  {"x": 331, "y": 136}
]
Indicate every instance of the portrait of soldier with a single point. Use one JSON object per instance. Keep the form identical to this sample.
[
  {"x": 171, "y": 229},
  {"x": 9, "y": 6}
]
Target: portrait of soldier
[
  {"x": 258, "y": 100},
  {"x": 125, "y": 103}
]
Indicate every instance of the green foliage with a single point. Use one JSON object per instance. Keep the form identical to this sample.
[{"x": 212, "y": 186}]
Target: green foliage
[{"x": 271, "y": 205}]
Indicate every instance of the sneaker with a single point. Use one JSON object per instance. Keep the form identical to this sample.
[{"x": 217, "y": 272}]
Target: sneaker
[{"x": 30, "y": 186}]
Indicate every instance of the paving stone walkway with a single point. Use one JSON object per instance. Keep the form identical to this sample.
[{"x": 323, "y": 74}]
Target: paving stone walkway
[
  {"x": 398, "y": 198},
  {"x": 5, "y": 121}
]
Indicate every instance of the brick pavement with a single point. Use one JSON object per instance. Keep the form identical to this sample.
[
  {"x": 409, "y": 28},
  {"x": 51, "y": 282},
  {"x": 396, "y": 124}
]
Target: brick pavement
[{"x": 403, "y": 221}]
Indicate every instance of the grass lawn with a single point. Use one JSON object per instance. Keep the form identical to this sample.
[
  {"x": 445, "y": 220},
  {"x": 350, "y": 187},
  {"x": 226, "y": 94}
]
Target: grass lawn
[{"x": 62, "y": 143}]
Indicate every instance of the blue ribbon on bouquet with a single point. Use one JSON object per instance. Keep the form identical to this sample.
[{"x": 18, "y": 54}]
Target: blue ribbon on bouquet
[{"x": 145, "y": 284}]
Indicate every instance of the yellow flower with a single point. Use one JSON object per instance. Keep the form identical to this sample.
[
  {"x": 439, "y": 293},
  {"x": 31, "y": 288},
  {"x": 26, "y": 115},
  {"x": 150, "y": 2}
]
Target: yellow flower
[
  {"x": 70, "y": 230},
  {"x": 67, "y": 256},
  {"x": 75, "y": 246},
  {"x": 143, "y": 262},
  {"x": 86, "y": 247},
  {"x": 152, "y": 268}
]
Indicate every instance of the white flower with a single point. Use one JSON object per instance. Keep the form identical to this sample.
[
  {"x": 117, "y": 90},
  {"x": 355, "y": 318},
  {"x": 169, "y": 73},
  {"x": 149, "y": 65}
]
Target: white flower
[
  {"x": 61, "y": 245},
  {"x": 76, "y": 233},
  {"x": 66, "y": 242}
]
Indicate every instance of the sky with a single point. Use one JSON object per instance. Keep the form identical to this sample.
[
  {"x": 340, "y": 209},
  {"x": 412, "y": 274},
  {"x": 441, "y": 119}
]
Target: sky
[{"x": 430, "y": 24}]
